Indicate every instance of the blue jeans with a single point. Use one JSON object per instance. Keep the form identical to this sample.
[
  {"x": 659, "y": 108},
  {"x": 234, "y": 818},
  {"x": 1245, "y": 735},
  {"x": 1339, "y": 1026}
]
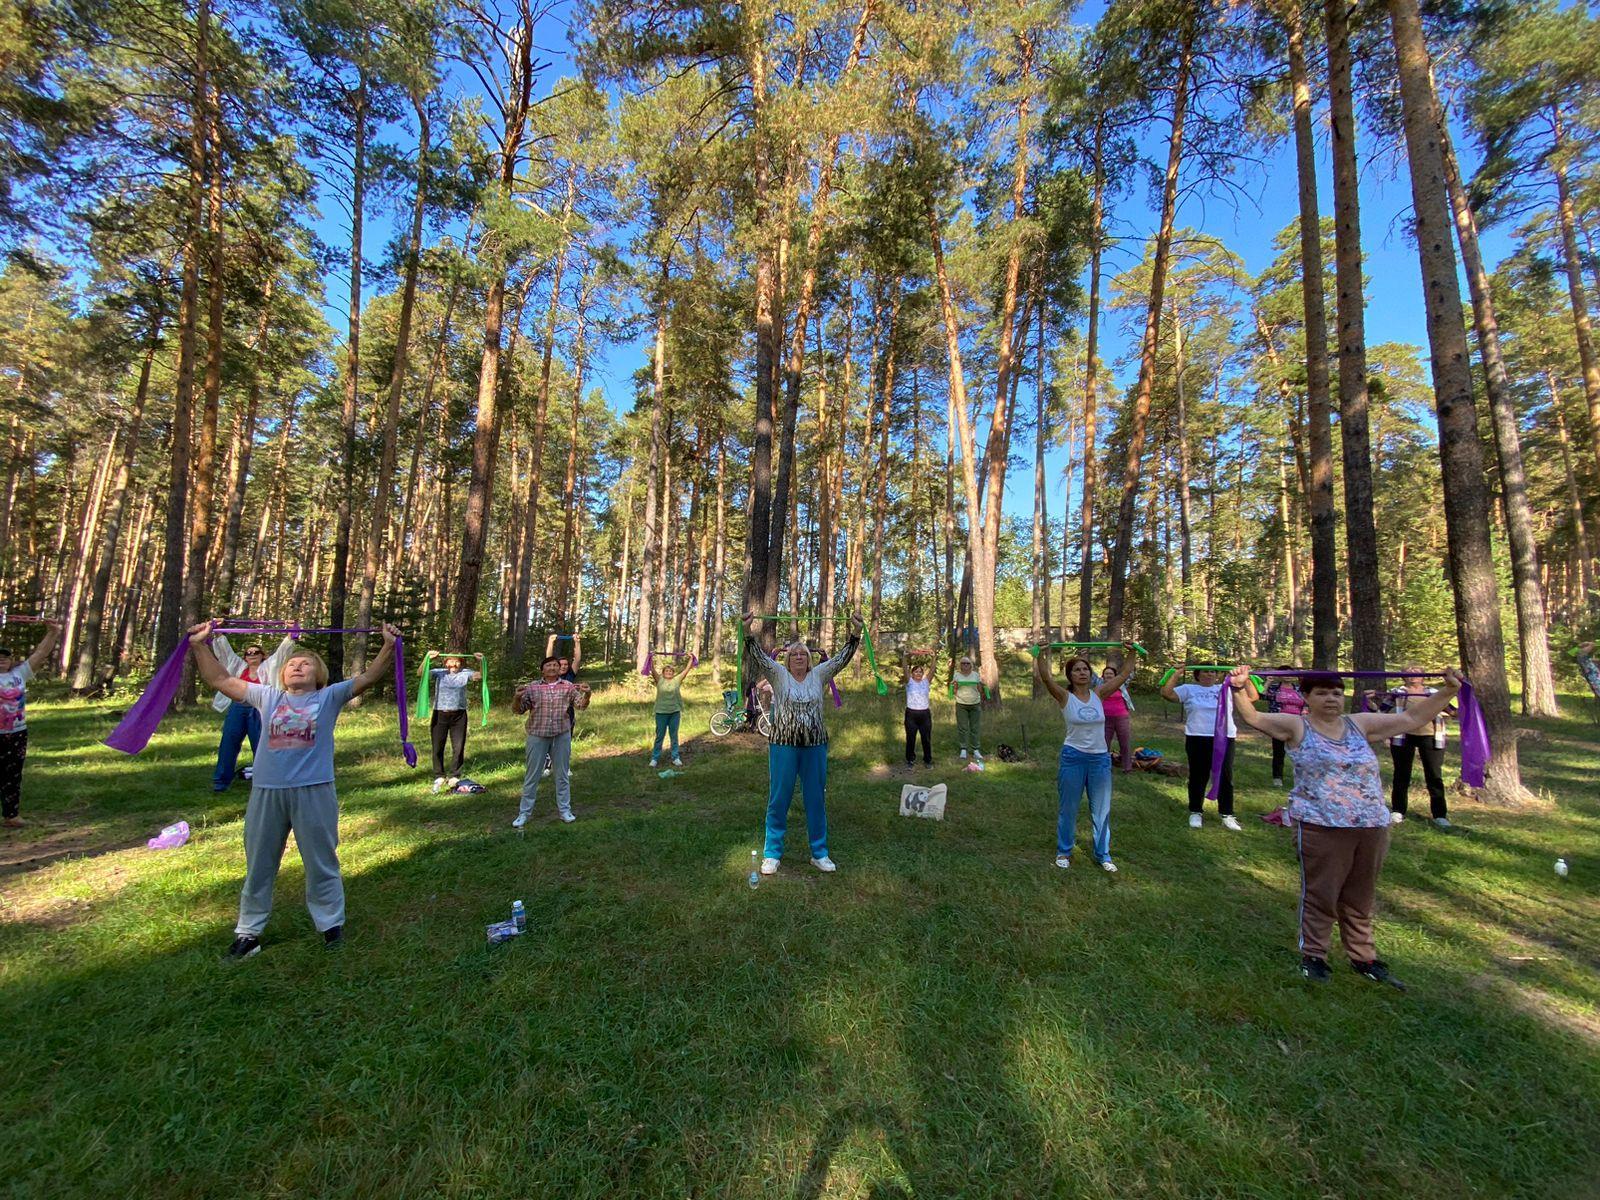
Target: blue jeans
[
  {"x": 810, "y": 765},
  {"x": 1082, "y": 772},
  {"x": 666, "y": 723},
  {"x": 239, "y": 722}
]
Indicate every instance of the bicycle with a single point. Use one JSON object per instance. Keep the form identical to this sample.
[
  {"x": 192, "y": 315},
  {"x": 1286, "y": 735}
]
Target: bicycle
[{"x": 733, "y": 715}]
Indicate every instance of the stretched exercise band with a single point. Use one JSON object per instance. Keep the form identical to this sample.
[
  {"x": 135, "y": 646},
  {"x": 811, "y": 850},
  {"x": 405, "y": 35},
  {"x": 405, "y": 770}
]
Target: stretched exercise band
[
  {"x": 650, "y": 659},
  {"x": 17, "y": 619},
  {"x": 138, "y": 725},
  {"x": 1034, "y": 650},
  {"x": 425, "y": 685},
  {"x": 1475, "y": 748}
]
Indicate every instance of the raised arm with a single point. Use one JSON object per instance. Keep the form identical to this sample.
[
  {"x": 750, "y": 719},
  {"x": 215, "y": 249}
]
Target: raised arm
[
  {"x": 216, "y": 676},
  {"x": 274, "y": 661},
  {"x": 226, "y": 654},
  {"x": 577, "y": 652},
  {"x": 1112, "y": 683},
  {"x": 829, "y": 667},
  {"x": 765, "y": 663},
  {"x": 1415, "y": 716},
  {"x": 1041, "y": 672},
  {"x": 1277, "y": 725},
  {"x": 477, "y": 675},
  {"x": 375, "y": 669},
  {"x": 46, "y": 647},
  {"x": 1169, "y": 689}
]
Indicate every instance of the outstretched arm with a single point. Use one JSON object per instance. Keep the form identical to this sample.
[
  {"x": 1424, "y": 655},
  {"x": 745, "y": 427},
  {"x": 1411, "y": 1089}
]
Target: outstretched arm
[
  {"x": 216, "y": 676},
  {"x": 1169, "y": 689},
  {"x": 577, "y": 652},
  {"x": 377, "y": 666},
  {"x": 829, "y": 667},
  {"x": 46, "y": 647},
  {"x": 1275, "y": 725},
  {"x": 765, "y": 663},
  {"x": 1041, "y": 672},
  {"x": 1112, "y": 683},
  {"x": 1415, "y": 716}
]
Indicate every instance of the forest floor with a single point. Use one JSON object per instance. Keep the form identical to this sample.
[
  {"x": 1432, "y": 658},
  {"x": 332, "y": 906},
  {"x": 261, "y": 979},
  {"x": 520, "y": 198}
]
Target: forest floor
[{"x": 948, "y": 1015}]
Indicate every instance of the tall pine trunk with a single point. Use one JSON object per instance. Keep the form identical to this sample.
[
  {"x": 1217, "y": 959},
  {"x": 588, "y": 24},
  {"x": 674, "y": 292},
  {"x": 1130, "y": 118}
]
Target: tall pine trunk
[
  {"x": 1324, "y": 542},
  {"x": 1466, "y": 500},
  {"x": 352, "y": 383},
  {"x": 1361, "y": 533},
  {"x": 1533, "y": 636},
  {"x": 1091, "y": 385}
]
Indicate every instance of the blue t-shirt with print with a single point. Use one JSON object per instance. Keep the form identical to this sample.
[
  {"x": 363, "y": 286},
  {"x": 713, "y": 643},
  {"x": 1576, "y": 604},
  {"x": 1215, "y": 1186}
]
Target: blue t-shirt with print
[{"x": 296, "y": 747}]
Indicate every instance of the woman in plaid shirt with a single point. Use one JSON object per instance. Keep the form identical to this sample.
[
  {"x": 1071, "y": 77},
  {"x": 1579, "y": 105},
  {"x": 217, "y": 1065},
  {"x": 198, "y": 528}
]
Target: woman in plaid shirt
[{"x": 546, "y": 701}]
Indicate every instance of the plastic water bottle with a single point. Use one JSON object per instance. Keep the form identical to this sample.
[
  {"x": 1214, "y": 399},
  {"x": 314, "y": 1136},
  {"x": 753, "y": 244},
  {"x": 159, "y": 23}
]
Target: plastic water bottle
[
  {"x": 1561, "y": 867},
  {"x": 519, "y": 916},
  {"x": 755, "y": 868}
]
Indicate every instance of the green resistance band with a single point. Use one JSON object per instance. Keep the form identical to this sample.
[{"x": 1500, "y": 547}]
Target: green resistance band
[
  {"x": 1034, "y": 650},
  {"x": 1171, "y": 671}
]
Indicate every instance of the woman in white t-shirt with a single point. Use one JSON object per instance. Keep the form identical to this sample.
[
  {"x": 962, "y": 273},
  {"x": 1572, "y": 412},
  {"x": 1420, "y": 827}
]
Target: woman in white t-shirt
[
  {"x": 1085, "y": 760},
  {"x": 919, "y": 710},
  {"x": 1199, "y": 700}
]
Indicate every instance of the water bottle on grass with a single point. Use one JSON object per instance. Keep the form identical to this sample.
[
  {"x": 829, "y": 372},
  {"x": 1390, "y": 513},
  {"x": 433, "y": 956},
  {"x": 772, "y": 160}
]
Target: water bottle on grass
[
  {"x": 519, "y": 916},
  {"x": 755, "y": 868}
]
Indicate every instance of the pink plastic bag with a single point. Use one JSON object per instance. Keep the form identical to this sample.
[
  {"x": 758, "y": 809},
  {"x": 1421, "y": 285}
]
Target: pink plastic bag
[{"x": 171, "y": 837}]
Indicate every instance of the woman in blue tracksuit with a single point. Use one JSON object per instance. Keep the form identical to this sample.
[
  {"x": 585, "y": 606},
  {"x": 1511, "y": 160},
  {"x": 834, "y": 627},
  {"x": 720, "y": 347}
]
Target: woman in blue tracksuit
[{"x": 798, "y": 747}]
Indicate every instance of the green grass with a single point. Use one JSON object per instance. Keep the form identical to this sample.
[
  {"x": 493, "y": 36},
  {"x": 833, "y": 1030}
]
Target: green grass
[{"x": 949, "y": 1015}]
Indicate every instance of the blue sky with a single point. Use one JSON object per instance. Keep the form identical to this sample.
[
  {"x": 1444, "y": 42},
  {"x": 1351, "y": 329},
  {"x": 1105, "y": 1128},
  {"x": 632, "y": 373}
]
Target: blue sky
[{"x": 1246, "y": 224}]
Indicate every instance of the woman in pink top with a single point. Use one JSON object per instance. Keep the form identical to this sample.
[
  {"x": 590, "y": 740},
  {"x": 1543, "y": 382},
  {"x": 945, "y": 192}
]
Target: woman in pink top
[{"x": 1118, "y": 720}]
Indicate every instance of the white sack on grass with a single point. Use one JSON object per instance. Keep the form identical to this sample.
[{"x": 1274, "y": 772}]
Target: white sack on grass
[{"x": 922, "y": 801}]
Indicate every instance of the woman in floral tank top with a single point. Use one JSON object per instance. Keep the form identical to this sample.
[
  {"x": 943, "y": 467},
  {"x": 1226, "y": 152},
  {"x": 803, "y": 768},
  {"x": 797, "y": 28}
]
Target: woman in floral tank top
[{"x": 1338, "y": 811}]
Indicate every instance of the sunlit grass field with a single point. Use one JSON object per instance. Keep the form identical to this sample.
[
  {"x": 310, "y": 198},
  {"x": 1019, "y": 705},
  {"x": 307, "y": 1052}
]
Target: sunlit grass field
[{"x": 948, "y": 1015}]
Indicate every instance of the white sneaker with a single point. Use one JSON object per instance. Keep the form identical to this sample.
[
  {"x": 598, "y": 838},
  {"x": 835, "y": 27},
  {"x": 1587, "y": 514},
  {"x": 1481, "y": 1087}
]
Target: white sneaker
[
  {"x": 653, "y": 764},
  {"x": 1443, "y": 822},
  {"x": 1109, "y": 866},
  {"x": 978, "y": 755},
  {"x": 769, "y": 866},
  {"x": 1277, "y": 783},
  {"x": 963, "y": 754},
  {"x": 568, "y": 817},
  {"x": 452, "y": 781},
  {"x": 1194, "y": 820},
  {"x": 824, "y": 864},
  {"x": 677, "y": 762},
  {"x": 1231, "y": 822},
  {"x": 438, "y": 785},
  {"x": 520, "y": 821},
  {"x": 1396, "y": 817},
  {"x": 1064, "y": 861}
]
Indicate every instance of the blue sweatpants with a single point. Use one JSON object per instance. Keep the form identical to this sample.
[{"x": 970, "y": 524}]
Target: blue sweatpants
[
  {"x": 239, "y": 722},
  {"x": 1082, "y": 772},
  {"x": 810, "y": 765}
]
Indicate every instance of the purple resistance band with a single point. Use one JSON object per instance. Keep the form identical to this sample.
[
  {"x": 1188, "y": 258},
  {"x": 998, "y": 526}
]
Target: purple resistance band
[
  {"x": 1475, "y": 748},
  {"x": 138, "y": 725},
  {"x": 650, "y": 659}
]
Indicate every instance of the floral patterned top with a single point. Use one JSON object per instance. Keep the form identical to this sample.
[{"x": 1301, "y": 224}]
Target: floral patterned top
[{"x": 1336, "y": 783}]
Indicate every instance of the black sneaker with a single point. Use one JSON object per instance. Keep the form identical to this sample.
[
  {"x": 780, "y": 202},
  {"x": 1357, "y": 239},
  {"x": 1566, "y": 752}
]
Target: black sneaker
[
  {"x": 1378, "y": 971},
  {"x": 333, "y": 939},
  {"x": 243, "y": 947},
  {"x": 1315, "y": 969}
]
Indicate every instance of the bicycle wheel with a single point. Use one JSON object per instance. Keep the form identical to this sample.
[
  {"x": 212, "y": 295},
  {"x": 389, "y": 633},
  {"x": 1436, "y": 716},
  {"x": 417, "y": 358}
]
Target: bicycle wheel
[
  {"x": 721, "y": 723},
  {"x": 764, "y": 726}
]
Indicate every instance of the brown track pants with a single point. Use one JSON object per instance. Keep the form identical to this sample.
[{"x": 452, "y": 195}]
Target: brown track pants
[{"x": 1339, "y": 880}]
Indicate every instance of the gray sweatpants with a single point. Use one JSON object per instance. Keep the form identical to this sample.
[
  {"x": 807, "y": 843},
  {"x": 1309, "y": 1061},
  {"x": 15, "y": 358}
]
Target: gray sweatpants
[
  {"x": 313, "y": 813},
  {"x": 559, "y": 750}
]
